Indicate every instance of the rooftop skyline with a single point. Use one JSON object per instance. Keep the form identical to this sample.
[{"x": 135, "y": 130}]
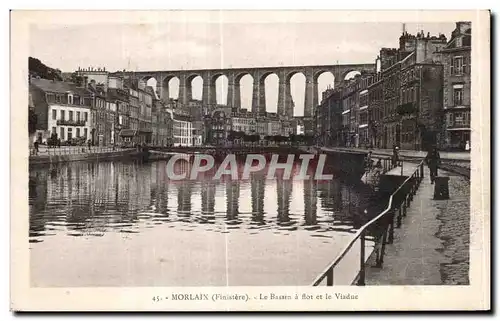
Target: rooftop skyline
[{"x": 197, "y": 45}]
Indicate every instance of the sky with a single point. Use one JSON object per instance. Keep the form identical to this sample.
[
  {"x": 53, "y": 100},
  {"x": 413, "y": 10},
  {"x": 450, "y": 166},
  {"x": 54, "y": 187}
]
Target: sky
[{"x": 174, "y": 46}]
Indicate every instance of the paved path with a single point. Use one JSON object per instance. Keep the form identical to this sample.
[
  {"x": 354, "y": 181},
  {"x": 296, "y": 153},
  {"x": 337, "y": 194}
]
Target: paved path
[
  {"x": 69, "y": 150},
  {"x": 432, "y": 245},
  {"x": 407, "y": 170},
  {"x": 464, "y": 156}
]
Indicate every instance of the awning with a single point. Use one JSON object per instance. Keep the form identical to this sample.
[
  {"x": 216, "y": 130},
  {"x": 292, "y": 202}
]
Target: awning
[{"x": 128, "y": 132}]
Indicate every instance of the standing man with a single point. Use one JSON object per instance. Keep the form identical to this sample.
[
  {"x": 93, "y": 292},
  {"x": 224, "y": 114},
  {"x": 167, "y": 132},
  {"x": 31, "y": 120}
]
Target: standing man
[
  {"x": 395, "y": 156},
  {"x": 433, "y": 160}
]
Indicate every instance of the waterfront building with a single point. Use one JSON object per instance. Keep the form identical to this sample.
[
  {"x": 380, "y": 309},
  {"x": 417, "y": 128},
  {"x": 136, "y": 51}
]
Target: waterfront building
[
  {"x": 350, "y": 106},
  {"x": 130, "y": 135},
  {"x": 456, "y": 60},
  {"x": 120, "y": 98},
  {"x": 63, "y": 111},
  {"x": 244, "y": 121},
  {"x": 182, "y": 128},
  {"x": 218, "y": 126},
  {"x": 329, "y": 118},
  {"x": 375, "y": 110},
  {"x": 145, "y": 132}
]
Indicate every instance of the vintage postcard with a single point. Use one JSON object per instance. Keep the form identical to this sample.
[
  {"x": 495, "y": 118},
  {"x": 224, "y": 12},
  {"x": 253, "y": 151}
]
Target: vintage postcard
[{"x": 250, "y": 160}]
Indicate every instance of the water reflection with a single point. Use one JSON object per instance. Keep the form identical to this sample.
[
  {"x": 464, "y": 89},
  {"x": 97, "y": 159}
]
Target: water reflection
[{"x": 94, "y": 198}]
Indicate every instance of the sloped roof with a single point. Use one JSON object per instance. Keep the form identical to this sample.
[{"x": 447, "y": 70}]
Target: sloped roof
[{"x": 58, "y": 86}]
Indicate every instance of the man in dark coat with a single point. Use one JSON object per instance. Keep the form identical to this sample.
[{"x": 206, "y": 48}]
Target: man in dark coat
[{"x": 433, "y": 160}]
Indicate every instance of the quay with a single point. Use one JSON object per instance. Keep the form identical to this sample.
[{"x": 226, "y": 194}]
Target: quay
[
  {"x": 82, "y": 153},
  {"x": 425, "y": 243}
]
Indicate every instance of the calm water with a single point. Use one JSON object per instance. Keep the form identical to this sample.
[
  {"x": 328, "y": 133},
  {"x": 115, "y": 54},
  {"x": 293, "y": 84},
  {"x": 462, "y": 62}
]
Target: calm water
[{"x": 125, "y": 224}]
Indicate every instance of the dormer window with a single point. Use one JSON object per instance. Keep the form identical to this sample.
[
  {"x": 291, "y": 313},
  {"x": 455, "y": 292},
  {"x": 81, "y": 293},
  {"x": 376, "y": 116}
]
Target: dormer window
[{"x": 70, "y": 99}]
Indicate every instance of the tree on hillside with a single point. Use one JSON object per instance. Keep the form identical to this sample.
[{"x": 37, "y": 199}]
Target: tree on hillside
[{"x": 37, "y": 68}]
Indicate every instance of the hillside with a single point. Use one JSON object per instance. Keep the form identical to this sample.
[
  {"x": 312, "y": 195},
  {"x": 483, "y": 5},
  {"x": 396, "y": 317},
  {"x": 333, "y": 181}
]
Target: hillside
[{"x": 37, "y": 68}]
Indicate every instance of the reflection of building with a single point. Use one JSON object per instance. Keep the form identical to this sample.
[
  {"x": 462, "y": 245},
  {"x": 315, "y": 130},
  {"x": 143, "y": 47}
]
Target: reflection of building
[
  {"x": 207, "y": 197},
  {"x": 284, "y": 191},
  {"x": 456, "y": 60},
  {"x": 258, "y": 187},
  {"x": 310, "y": 202},
  {"x": 232, "y": 198},
  {"x": 184, "y": 193}
]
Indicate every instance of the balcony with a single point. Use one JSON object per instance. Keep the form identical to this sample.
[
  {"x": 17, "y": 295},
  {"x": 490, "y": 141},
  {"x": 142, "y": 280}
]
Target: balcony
[
  {"x": 71, "y": 122},
  {"x": 458, "y": 125},
  {"x": 406, "y": 109}
]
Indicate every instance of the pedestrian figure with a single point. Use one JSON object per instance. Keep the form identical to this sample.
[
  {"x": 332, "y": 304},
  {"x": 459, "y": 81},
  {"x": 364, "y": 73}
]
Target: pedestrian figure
[
  {"x": 467, "y": 146},
  {"x": 36, "y": 147},
  {"x": 433, "y": 160},
  {"x": 369, "y": 161},
  {"x": 395, "y": 156},
  {"x": 59, "y": 143}
]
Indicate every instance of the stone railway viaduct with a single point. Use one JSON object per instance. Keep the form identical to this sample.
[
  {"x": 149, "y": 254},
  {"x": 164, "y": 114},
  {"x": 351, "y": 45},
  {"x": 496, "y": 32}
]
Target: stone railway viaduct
[{"x": 259, "y": 74}]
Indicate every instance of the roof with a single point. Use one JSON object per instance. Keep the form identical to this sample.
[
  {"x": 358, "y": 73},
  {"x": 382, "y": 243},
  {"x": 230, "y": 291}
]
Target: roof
[
  {"x": 58, "y": 86},
  {"x": 115, "y": 94}
]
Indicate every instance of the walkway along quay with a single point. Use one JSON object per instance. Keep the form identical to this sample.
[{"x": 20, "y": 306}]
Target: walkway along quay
[
  {"x": 81, "y": 153},
  {"x": 456, "y": 162},
  {"x": 379, "y": 231},
  {"x": 426, "y": 243}
]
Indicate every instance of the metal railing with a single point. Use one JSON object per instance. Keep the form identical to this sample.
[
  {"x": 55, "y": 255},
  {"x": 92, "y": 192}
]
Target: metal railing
[
  {"x": 381, "y": 228},
  {"x": 73, "y": 150}
]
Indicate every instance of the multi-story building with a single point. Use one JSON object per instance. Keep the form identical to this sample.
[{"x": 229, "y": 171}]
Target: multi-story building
[
  {"x": 350, "y": 106},
  {"x": 218, "y": 126},
  {"x": 63, "y": 110},
  {"x": 375, "y": 110},
  {"x": 329, "y": 118},
  {"x": 182, "y": 128},
  {"x": 456, "y": 60},
  {"x": 243, "y": 121},
  {"x": 363, "y": 113},
  {"x": 390, "y": 69},
  {"x": 120, "y": 98},
  {"x": 145, "y": 114}
]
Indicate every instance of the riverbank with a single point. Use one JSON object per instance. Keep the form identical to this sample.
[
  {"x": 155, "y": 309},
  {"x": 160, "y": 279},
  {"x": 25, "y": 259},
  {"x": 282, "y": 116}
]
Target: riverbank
[
  {"x": 432, "y": 245},
  {"x": 48, "y": 158}
]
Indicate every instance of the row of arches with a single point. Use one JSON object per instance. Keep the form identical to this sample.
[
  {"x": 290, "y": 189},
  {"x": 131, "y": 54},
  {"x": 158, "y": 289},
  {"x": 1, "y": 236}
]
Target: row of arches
[{"x": 243, "y": 88}]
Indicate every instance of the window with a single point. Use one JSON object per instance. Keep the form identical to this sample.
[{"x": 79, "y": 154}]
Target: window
[
  {"x": 54, "y": 131},
  {"x": 78, "y": 132},
  {"x": 54, "y": 114},
  {"x": 77, "y": 116},
  {"x": 459, "y": 118},
  {"x": 63, "y": 116},
  {"x": 457, "y": 96},
  {"x": 70, "y": 115},
  {"x": 58, "y": 98},
  {"x": 70, "y": 99},
  {"x": 457, "y": 65},
  {"x": 61, "y": 133},
  {"x": 86, "y": 116},
  {"x": 85, "y": 132}
]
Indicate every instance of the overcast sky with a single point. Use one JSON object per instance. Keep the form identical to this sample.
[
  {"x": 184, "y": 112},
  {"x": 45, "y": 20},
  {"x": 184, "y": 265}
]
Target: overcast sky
[{"x": 173, "y": 46}]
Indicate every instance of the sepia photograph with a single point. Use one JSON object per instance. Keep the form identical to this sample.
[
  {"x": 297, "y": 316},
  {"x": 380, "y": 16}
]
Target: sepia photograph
[{"x": 250, "y": 158}]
